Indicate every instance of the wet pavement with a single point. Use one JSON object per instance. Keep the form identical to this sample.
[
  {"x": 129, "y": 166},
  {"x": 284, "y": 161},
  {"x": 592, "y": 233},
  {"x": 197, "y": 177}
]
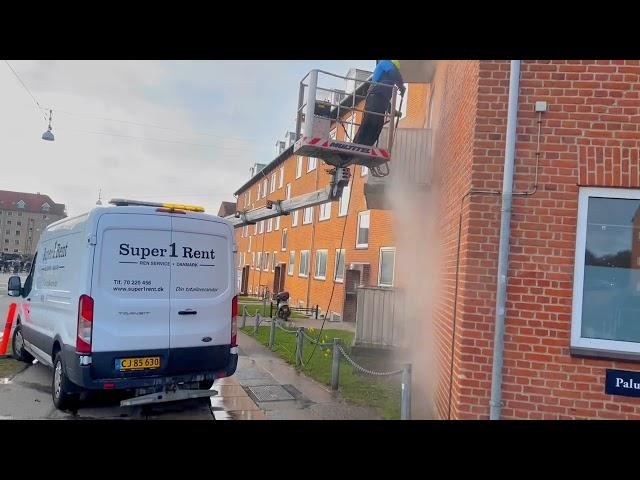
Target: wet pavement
[{"x": 263, "y": 387}]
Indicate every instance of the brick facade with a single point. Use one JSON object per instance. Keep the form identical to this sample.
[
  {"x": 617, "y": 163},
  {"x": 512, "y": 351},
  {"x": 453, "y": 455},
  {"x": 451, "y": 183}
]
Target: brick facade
[{"x": 589, "y": 137}]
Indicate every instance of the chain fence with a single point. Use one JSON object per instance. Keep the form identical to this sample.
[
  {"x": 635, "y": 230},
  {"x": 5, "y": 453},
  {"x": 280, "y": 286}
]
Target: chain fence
[{"x": 338, "y": 353}]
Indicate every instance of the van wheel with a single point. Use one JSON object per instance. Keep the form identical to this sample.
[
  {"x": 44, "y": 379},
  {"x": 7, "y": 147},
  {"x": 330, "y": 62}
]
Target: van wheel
[
  {"x": 63, "y": 397},
  {"x": 206, "y": 384},
  {"x": 17, "y": 346}
]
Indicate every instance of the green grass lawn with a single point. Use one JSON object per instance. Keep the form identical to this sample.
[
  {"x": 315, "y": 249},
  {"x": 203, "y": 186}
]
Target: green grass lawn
[
  {"x": 243, "y": 298},
  {"x": 264, "y": 312},
  {"x": 380, "y": 393},
  {"x": 9, "y": 366}
]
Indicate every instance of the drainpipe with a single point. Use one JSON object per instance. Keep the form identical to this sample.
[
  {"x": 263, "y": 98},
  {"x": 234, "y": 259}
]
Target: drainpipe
[{"x": 505, "y": 230}]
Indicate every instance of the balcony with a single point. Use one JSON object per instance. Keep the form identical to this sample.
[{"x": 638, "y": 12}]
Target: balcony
[{"x": 410, "y": 165}]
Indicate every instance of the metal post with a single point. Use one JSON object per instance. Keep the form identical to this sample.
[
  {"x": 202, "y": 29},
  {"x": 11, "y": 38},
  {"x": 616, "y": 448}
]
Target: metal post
[
  {"x": 272, "y": 333},
  {"x": 392, "y": 119},
  {"x": 405, "y": 405},
  {"x": 264, "y": 302},
  {"x": 257, "y": 324},
  {"x": 311, "y": 103},
  {"x": 270, "y": 309},
  {"x": 317, "y": 307},
  {"x": 335, "y": 365},
  {"x": 299, "y": 346}
]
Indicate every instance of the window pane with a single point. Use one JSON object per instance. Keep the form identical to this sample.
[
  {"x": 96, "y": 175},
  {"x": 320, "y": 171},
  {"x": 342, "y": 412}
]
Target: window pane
[
  {"x": 611, "y": 290},
  {"x": 363, "y": 229},
  {"x": 292, "y": 260},
  {"x": 339, "y": 267},
  {"x": 387, "y": 262},
  {"x": 344, "y": 200}
]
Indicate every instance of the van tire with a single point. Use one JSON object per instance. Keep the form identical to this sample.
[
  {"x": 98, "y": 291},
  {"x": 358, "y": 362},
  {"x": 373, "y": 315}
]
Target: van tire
[
  {"x": 17, "y": 346},
  {"x": 61, "y": 390},
  {"x": 206, "y": 384}
]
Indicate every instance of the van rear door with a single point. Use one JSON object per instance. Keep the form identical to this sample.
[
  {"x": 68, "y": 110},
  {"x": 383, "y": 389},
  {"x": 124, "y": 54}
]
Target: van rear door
[
  {"x": 130, "y": 289},
  {"x": 201, "y": 294}
]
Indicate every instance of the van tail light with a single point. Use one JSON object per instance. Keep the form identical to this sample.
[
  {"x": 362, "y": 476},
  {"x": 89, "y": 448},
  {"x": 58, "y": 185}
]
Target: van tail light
[
  {"x": 234, "y": 321},
  {"x": 85, "y": 324}
]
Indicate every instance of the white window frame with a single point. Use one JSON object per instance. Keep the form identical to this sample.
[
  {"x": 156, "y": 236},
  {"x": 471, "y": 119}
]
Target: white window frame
[
  {"x": 258, "y": 197},
  {"x": 360, "y": 215},
  {"x": 594, "y": 346},
  {"x": 277, "y": 224},
  {"x": 283, "y": 239},
  {"x": 311, "y": 165},
  {"x": 345, "y": 198},
  {"x": 281, "y": 180},
  {"x": 393, "y": 273},
  {"x": 255, "y": 228},
  {"x": 253, "y": 260},
  {"x": 294, "y": 218},
  {"x": 261, "y": 226},
  {"x": 273, "y": 261},
  {"x": 249, "y": 249},
  {"x": 265, "y": 262},
  {"x": 316, "y": 264},
  {"x": 288, "y": 191},
  {"x": 305, "y": 220},
  {"x": 270, "y": 225},
  {"x": 300, "y": 274},
  {"x": 259, "y": 261},
  {"x": 273, "y": 183},
  {"x": 299, "y": 160},
  {"x": 265, "y": 187},
  {"x": 325, "y": 211},
  {"x": 364, "y": 171},
  {"x": 342, "y": 253},
  {"x": 291, "y": 264}
]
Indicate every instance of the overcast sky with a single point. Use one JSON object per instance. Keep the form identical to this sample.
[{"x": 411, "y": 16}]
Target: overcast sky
[{"x": 217, "y": 119}]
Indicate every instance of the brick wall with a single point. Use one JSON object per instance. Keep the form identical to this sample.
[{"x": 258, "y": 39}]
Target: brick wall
[{"x": 589, "y": 136}]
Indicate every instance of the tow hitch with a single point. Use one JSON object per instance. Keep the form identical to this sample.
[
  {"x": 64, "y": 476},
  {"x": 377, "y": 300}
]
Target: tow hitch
[{"x": 171, "y": 393}]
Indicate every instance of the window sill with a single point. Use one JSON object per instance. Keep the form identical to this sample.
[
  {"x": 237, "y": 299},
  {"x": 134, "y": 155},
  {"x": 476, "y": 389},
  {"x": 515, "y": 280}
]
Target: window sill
[
  {"x": 362, "y": 247},
  {"x": 320, "y": 278},
  {"x": 303, "y": 276},
  {"x": 586, "y": 352},
  {"x": 338, "y": 281}
]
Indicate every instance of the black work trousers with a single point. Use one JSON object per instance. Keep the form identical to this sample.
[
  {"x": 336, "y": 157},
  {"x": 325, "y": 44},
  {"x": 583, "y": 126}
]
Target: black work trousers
[{"x": 371, "y": 126}]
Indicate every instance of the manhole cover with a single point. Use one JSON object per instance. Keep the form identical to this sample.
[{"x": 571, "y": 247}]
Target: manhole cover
[{"x": 270, "y": 393}]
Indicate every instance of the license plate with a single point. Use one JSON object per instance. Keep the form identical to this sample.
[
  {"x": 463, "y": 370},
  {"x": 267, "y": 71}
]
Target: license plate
[{"x": 142, "y": 363}]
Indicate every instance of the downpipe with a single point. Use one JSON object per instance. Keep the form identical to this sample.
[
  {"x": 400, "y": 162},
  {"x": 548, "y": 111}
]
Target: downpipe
[{"x": 505, "y": 232}]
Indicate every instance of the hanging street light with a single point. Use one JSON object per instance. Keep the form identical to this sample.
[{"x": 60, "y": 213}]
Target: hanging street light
[{"x": 48, "y": 135}]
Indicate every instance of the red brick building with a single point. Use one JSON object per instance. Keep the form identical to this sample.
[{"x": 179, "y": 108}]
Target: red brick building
[{"x": 572, "y": 283}]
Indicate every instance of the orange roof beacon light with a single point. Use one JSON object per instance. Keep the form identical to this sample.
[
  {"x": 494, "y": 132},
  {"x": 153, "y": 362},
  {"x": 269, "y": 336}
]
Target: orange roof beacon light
[{"x": 120, "y": 202}]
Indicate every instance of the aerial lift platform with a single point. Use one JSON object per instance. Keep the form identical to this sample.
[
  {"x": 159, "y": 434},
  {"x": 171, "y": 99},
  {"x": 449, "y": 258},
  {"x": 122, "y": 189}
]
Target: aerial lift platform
[{"x": 321, "y": 107}]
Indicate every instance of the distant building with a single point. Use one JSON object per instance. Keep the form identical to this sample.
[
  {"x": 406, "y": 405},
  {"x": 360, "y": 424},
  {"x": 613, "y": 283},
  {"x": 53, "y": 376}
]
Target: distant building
[{"x": 23, "y": 217}]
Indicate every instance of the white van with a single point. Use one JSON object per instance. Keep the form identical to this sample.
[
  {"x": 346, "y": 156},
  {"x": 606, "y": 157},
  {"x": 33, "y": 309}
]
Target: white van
[{"x": 135, "y": 296}]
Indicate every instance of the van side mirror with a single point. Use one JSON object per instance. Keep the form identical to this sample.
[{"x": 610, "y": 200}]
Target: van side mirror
[{"x": 14, "y": 289}]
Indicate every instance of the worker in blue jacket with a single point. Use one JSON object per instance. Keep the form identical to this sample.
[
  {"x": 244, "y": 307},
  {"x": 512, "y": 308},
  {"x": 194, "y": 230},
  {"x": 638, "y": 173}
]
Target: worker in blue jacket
[{"x": 378, "y": 100}]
